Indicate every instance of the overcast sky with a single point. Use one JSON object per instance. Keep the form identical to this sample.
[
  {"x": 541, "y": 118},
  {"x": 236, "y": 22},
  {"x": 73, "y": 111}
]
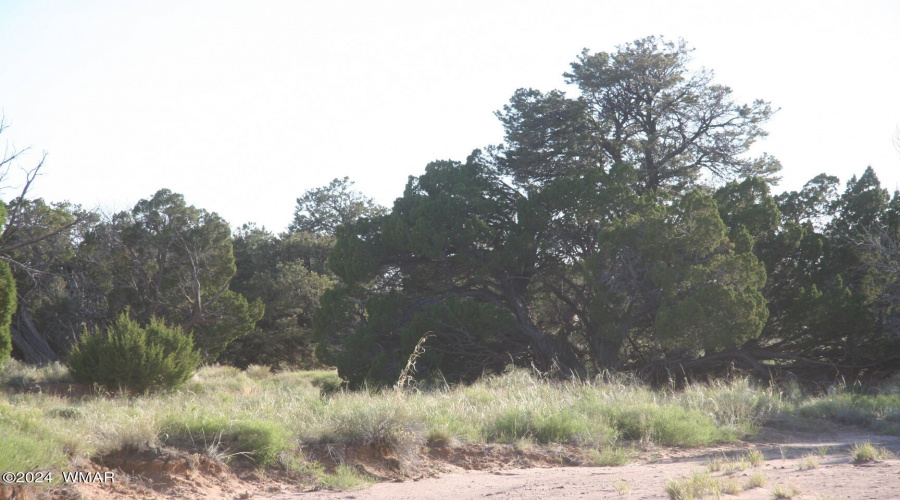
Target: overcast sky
[{"x": 243, "y": 106}]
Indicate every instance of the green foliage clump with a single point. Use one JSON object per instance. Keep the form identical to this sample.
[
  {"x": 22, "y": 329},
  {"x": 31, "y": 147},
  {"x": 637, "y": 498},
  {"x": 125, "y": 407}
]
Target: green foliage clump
[
  {"x": 669, "y": 425},
  {"x": 7, "y": 301},
  {"x": 263, "y": 441},
  {"x": 133, "y": 358},
  {"x": 554, "y": 427}
]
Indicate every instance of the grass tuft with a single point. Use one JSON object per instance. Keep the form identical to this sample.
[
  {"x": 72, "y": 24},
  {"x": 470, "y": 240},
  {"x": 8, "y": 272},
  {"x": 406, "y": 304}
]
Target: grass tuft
[
  {"x": 262, "y": 441},
  {"x": 755, "y": 457},
  {"x": 345, "y": 477},
  {"x": 867, "y": 452},
  {"x": 785, "y": 491},
  {"x": 608, "y": 457},
  {"x": 622, "y": 487},
  {"x": 756, "y": 480},
  {"x": 808, "y": 462},
  {"x": 697, "y": 485}
]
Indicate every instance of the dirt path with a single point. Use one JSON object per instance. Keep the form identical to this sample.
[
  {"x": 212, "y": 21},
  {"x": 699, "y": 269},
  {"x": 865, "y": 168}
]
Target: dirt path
[{"x": 835, "y": 476}]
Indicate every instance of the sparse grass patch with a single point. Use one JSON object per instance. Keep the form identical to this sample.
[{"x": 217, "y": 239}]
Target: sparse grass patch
[
  {"x": 755, "y": 457},
  {"x": 878, "y": 412},
  {"x": 608, "y": 456},
  {"x": 695, "y": 486},
  {"x": 737, "y": 465},
  {"x": 345, "y": 477},
  {"x": 715, "y": 464},
  {"x": 15, "y": 372},
  {"x": 808, "y": 462},
  {"x": 730, "y": 486},
  {"x": 622, "y": 487},
  {"x": 785, "y": 491},
  {"x": 867, "y": 452},
  {"x": 756, "y": 480}
]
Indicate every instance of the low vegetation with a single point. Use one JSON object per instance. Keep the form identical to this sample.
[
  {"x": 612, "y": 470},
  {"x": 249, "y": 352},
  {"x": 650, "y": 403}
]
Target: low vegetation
[
  {"x": 269, "y": 419},
  {"x": 278, "y": 421},
  {"x": 867, "y": 452},
  {"x": 878, "y": 412}
]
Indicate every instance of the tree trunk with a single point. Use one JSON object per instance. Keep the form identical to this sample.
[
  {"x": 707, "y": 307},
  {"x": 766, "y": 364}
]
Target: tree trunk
[
  {"x": 28, "y": 340},
  {"x": 548, "y": 355}
]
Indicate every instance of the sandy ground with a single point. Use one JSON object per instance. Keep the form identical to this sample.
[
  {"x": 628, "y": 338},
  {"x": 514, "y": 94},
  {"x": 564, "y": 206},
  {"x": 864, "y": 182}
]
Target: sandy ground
[{"x": 835, "y": 477}]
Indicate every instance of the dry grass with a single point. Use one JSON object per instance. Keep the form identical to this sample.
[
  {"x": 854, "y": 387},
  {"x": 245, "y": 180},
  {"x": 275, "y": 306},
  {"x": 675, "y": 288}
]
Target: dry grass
[{"x": 267, "y": 417}]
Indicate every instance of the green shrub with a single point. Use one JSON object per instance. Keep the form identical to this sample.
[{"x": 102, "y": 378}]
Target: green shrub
[{"x": 133, "y": 358}]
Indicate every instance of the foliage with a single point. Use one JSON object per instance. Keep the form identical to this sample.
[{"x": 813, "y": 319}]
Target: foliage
[
  {"x": 7, "y": 301},
  {"x": 134, "y": 358},
  {"x": 287, "y": 273},
  {"x": 641, "y": 106},
  {"x": 262, "y": 441},
  {"x": 173, "y": 261},
  {"x": 322, "y": 210},
  {"x": 471, "y": 259},
  {"x": 46, "y": 272},
  {"x": 587, "y": 234}
]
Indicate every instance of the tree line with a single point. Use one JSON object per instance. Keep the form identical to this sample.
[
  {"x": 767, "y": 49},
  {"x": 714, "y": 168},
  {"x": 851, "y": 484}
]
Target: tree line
[{"x": 622, "y": 226}]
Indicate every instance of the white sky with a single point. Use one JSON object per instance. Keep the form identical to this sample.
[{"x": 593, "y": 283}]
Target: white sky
[{"x": 243, "y": 106}]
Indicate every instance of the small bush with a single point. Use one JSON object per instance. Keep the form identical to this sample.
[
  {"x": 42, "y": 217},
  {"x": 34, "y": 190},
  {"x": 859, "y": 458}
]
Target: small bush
[{"x": 133, "y": 358}]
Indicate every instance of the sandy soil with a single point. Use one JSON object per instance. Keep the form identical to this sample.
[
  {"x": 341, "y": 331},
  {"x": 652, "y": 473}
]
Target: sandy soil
[
  {"x": 835, "y": 477},
  {"x": 500, "y": 472}
]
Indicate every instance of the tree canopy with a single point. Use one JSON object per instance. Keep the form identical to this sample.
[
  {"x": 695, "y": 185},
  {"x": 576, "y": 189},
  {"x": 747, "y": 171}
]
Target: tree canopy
[
  {"x": 626, "y": 227},
  {"x": 623, "y": 226}
]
